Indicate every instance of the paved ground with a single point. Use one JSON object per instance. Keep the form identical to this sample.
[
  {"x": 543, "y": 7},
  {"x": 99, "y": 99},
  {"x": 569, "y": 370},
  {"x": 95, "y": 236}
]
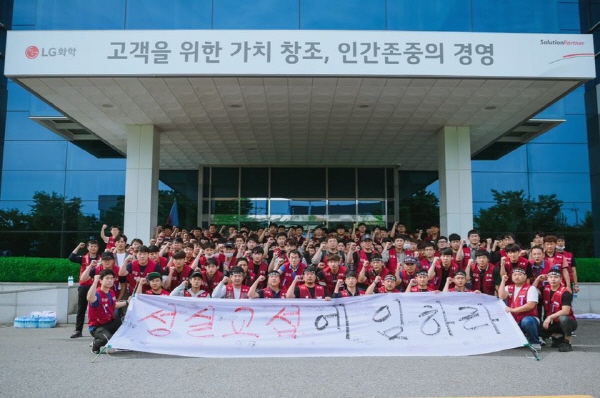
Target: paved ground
[{"x": 46, "y": 362}]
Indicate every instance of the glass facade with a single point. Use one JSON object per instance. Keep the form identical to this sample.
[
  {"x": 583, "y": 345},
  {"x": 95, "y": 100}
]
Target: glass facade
[{"x": 35, "y": 160}]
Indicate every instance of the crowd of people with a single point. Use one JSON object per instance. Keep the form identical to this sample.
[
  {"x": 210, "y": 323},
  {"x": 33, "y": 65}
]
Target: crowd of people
[{"x": 536, "y": 281}]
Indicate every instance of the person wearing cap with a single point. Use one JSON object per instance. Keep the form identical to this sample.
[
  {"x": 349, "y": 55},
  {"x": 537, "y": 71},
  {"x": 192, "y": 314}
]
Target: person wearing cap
[
  {"x": 420, "y": 283},
  {"x": 233, "y": 290},
  {"x": 389, "y": 285},
  {"x": 522, "y": 304},
  {"x": 459, "y": 281},
  {"x": 442, "y": 269},
  {"x": 559, "y": 320},
  {"x": 272, "y": 290},
  {"x": 228, "y": 256},
  {"x": 132, "y": 271},
  {"x": 309, "y": 289},
  {"x": 178, "y": 272},
  {"x": 363, "y": 255},
  {"x": 351, "y": 286},
  {"x": 107, "y": 262},
  {"x": 191, "y": 287},
  {"x": 333, "y": 272},
  {"x": 102, "y": 303},
  {"x": 154, "y": 280},
  {"x": 482, "y": 274},
  {"x": 406, "y": 273},
  {"x": 369, "y": 272}
]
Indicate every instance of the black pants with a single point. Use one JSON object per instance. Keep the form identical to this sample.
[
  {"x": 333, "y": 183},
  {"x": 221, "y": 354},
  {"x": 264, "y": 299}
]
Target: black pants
[
  {"x": 103, "y": 333},
  {"x": 565, "y": 326},
  {"x": 82, "y": 305}
]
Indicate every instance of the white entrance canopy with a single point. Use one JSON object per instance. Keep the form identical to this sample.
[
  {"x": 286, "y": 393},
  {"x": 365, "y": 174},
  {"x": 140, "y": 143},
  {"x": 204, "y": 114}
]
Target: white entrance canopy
[{"x": 333, "y": 98}]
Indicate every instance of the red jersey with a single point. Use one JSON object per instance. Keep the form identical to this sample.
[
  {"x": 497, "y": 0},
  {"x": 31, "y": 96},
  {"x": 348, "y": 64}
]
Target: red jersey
[
  {"x": 85, "y": 261},
  {"x": 163, "y": 292},
  {"x": 520, "y": 300},
  {"x": 554, "y": 304},
  {"x": 305, "y": 293},
  {"x": 331, "y": 279},
  {"x": 209, "y": 284},
  {"x": 136, "y": 272},
  {"x": 230, "y": 291},
  {"x": 179, "y": 277},
  {"x": 102, "y": 311},
  {"x": 489, "y": 284}
]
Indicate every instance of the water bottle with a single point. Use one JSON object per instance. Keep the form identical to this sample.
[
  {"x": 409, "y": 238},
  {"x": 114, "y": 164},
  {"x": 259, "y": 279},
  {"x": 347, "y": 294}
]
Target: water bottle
[{"x": 70, "y": 280}]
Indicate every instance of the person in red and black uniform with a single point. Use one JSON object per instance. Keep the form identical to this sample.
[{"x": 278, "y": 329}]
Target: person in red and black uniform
[
  {"x": 191, "y": 287},
  {"x": 332, "y": 272},
  {"x": 357, "y": 260},
  {"x": 522, "y": 304},
  {"x": 154, "y": 279},
  {"x": 310, "y": 289},
  {"x": 233, "y": 290},
  {"x": 351, "y": 290},
  {"x": 442, "y": 269},
  {"x": 389, "y": 285},
  {"x": 178, "y": 272},
  {"x": 459, "y": 281},
  {"x": 482, "y": 274},
  {"x": 84, "y": 286},
  {"x": 140, "y": 268},
  {"x": 559, "y": 322},
  {"x": 513, "y": 260},
  {"x": 108, "y": 262},
  {"x": 420, "y": 284},
  {"x": 102, "y": 305},
  {"x": 272, "y": 290}
]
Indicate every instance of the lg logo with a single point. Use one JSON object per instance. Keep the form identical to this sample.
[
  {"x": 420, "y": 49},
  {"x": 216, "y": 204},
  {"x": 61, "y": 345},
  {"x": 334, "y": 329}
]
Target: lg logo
[{"x": 32, "y": 52}]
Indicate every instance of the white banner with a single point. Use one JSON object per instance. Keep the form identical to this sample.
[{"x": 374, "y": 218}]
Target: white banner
[
  {"x": 423, "y": 324},
  {"x": 298, "y": 53}
]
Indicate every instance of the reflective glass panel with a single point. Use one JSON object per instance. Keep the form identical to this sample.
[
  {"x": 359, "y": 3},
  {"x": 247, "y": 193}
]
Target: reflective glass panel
[
  {"x": 341, "y": 182},
  {"x": 225, "y": 182}
]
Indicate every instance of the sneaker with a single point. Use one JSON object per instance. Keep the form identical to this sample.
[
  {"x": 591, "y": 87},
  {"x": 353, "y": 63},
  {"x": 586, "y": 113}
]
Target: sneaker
[
  {"x": 94, "y": 351},
  {"x": 565, "y": 347},
  {"x": 537, "y": 347},
  {"x": 542, "y": 341},
  {"x": 557, "y": 341},
  {"x": 76, "y": 334}
]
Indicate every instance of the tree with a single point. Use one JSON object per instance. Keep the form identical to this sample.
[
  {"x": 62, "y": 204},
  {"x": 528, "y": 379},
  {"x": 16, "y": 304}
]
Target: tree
[
  {"x": 420, "y": 210},
  {"x": 514, "y": 212},
  {"x": 13, "y": 239}
]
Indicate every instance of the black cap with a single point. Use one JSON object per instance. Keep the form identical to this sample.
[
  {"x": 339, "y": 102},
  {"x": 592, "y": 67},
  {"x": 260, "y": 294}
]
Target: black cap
[
  {"x": 230, "y": 245},
  {"x": 410, "y": 260},
  {"x": 366, "y": 237},
  {"x": 196, "y": 274},
  {"x": 108, "y": 256}
]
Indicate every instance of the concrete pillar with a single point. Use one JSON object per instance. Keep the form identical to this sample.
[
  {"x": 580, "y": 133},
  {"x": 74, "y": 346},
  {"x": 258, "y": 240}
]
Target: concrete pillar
[
  {"x": 141, "y": 182},
  {"x": 456, "y": 187}
]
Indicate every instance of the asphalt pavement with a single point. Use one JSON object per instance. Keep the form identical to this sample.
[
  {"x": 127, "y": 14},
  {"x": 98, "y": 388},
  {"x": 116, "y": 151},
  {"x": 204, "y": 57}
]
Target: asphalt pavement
[{"x": 47, "y": 363}]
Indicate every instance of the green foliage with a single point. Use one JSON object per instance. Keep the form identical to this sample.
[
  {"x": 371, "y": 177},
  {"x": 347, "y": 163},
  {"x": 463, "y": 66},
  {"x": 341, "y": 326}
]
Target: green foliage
[
  {"x": 35, "y": 269},
  {"x": 588, "y": 269},
  {"x": 420, "y": 211},
  {"x": 514, "y": 212}
]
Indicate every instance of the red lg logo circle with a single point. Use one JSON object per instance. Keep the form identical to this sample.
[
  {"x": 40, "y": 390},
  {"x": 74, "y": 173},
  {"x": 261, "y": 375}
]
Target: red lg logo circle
[{"x": 32, "y": 52}]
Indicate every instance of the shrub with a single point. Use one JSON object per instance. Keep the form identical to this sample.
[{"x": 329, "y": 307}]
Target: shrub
[
  {"x": 37, "y": 269},
  {"x": 588, "y": 269}
]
